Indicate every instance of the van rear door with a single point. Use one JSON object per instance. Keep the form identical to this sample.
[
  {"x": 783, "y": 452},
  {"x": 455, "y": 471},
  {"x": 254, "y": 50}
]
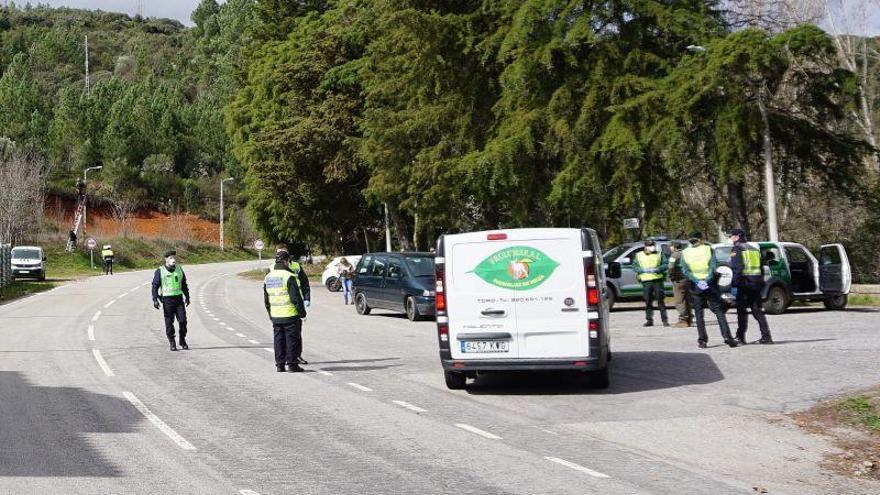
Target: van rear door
[
  {"x": 551, "y": 304},
  {"x": 835, "y": 274},
  {"x": 482, "y": 315}
]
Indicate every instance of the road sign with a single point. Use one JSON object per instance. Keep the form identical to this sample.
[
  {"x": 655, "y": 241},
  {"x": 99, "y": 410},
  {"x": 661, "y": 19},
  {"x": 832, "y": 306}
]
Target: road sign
[
  {"x": 91, "y": 243},
  {"x": 630, "y": 223},
  {"x": 258, "y": 245}
]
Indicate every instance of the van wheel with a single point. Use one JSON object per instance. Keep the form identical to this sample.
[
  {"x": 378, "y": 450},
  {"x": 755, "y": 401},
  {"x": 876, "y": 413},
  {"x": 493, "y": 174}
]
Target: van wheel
[
  {"x": 612, "y": 297},
  {"x": 836, "y": 303},
  {"x": 333, "y": 284},
  {"x": 412, "y": 311},
  {"x": 360, "y": 303},
  {"x": 777, "y": 301},
  {"x": 600, "y": 379},
  {"x": 43, "y": 277},
  {"x": 455, "y": 380}
]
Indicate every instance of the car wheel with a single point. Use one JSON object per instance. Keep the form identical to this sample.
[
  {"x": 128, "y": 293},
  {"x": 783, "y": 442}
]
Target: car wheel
[
  {"x": 600, "y": 379},
  {"x": 612, "y": 297},
  {"x": 42, "y": 276},
  {"x": 777, "y": 300},
  {"x": 836, "y": 303},
  {"x": 360, "y": 303},
  {"x": 412, "y": 311},
  {"x": 455, "y": 380},
  {"x": 333, "y": 284}
]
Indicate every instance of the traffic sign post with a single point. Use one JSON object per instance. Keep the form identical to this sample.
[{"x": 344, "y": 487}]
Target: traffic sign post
[
  {"x": 632, "y": 224},
  {"x": 258, "y": 245},
  {"x": 92, "y": 244}
]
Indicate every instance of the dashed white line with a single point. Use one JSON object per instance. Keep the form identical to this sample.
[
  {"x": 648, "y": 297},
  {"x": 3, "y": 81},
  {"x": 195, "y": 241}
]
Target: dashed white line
[
  {"x": 122, "y": 295},
  {"x": 360, "y": 387},
  {"x": 248, "y": 492},
  {"x": 241, "y": 335},
  {"x": 158, "y": 423},
  {"x": 91, "y": 332},
  {"x": 325, "y": 373},
  {"x": 97, "y": 315},
  {"x": 577, "y": 467},
  {"x": 222, "y": 324},
  {"x": 474, "y": 429},
  {"x": 269, "y": 349},
  {"x": 253, "y": 341},
  {"x": 409, "y": 406},
  {"x": 103, "y": 364},
  {"x": 109, "y": 304},
  {"x": 216, "y": 319}
]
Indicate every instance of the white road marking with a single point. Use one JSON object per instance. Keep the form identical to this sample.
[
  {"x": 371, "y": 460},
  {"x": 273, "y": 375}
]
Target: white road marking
[
  {"x": 91, "y": 332},
  {"x": 241, "y": 335},
  {"x": 474, "y": 429},
  {"x": 158, "y": 423},
  {"x": 216, "y": 319},
  {"x": 230, "y": 329},
  {"x": 109, "y": 304},
  {"x": 360, "y": 387},
  {"x": 122, "y": 295},
  {"x": 577, "y": 467},
  {"x": 97, "y": 315},
  {"x": 409, "y": 406},
  {"x": 248, "y": 492},
  {"x": 253, "y": 341},
  {"x": 325, "y": 373},
  {"x": 222, "y": 324},
  {"x": 103, "y": 364},
  {"x": 269, "y": 349}
]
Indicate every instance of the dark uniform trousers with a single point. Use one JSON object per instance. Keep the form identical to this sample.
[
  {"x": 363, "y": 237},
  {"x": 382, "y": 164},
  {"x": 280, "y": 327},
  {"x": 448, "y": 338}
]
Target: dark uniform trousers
[
  {"x": 173, "y": 307},
  {"x": 748, "y": 297},
  {"x": 288, "y": 341},
  {"x": 654, "y": 290},
  {"x": 712, "y": 297}
]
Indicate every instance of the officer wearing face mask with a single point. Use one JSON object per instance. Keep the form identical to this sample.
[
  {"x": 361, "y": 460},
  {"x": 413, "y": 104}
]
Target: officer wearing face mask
[
  {"x": 650, "y": 266},
  {"x": 170, "y": 288},
  {"x": 698, "y": 264}
]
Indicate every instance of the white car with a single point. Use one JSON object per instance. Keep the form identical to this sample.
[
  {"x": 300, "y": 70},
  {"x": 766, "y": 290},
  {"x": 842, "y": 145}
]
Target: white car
[
  {"x": 330, "y": 276},
  {"x": 522, "y": 299},
  {"x": 28, "y": 262}
]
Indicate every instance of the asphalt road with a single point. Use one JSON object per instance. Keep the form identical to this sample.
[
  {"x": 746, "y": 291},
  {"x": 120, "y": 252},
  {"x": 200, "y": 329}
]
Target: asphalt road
[{"x": 92, "y": 401}]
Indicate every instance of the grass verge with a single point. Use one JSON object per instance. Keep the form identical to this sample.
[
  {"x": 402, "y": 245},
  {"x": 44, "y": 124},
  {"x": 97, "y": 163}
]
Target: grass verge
[
  {"x": 853, "y": 425},
  {"x": 864, "y": 300},
  {"x": 20, "y": 288}
]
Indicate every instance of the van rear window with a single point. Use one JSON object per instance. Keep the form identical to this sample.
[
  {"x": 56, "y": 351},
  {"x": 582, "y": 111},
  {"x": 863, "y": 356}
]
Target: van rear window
[{"x": 421, "y": 266}]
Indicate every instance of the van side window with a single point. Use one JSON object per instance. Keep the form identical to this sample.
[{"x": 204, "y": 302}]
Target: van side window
[
  {"x": 796, "y": 255},
  {"x": 394, "y": 270},
  {"x": 379, "y": 267},
  {"x": 365, "y": 266}
]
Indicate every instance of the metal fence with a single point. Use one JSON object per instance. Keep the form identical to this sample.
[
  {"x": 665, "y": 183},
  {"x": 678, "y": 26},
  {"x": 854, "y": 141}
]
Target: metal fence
[{"x": 5, "y": 265}]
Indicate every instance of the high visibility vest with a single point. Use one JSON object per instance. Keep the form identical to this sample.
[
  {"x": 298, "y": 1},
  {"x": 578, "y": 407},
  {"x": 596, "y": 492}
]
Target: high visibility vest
[
  {"x": 107, "y": 253},
  {"x": 277, "y": 288},
  {"x": 649, "y": 260},
  {"x": 697, "y": 259},
  {"x": 751, "y": 260},
  {"x": 172, "y": 282}
]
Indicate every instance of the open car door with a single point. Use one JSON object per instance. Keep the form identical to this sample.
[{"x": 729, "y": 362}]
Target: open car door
[{"x": 835, "y": 274}]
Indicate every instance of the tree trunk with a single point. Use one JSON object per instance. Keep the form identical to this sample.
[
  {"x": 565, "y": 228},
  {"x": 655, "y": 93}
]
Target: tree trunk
[
  {"x": 400, "y": 229},
  {"x": 366, "y": 240},
  {"x": 736, "y": 205},
  {"x": 769, "y": 180}
]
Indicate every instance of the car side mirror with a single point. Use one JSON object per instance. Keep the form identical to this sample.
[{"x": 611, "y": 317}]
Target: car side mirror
[{"x": 613, "y": 270}]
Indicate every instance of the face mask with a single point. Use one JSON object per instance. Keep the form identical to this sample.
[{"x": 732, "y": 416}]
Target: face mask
[
  {"x": 650, "y": 249},
  {"x": 170, "y": 261}
]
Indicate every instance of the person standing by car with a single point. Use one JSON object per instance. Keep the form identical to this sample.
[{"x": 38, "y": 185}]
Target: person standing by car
[
  {"x": 748, "y": 283},
  {"x": 286, "y": 307},
  {"x": 698, "y": 265},
  {"x": 170, "y": 287},
  {"x": 650, "y": 265},
  {"x": 344, "y": 270},
  {"x": 107, "y": 255},
  {"x": 680, "y": 286}
]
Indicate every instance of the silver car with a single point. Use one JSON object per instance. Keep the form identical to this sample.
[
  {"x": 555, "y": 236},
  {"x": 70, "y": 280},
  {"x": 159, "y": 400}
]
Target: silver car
[{"x": 627, "y": 287}]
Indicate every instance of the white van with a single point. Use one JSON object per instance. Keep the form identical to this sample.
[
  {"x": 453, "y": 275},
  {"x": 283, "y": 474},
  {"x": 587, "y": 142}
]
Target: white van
[
  {"x": 522, "y": 299},
  {"x": 28, "y": 262}
]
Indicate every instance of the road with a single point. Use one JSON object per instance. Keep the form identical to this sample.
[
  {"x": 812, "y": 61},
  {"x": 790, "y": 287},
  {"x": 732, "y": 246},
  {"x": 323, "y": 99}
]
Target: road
[{"x": 92, "y": 401}]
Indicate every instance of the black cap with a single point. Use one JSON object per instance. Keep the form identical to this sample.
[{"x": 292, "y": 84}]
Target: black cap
[
  {"x": 282, "y": 255},
  {"x": 738, "y": 232},
  {"x": 696, "y": 235},
  {"x": 649, "y": 242},
  {"x": 170, "y": 253}
]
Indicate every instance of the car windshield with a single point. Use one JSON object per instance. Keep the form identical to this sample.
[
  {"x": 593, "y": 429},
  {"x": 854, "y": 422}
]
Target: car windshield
[
  {"x": 722, "y": 254},
  {"x": 611, "y": 255},
  {"x": 26, "y": 254},
  {"x": 421, "y": 266}
]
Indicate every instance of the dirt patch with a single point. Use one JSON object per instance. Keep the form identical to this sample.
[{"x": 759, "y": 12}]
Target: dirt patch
[{"x": 853, "y": 425}]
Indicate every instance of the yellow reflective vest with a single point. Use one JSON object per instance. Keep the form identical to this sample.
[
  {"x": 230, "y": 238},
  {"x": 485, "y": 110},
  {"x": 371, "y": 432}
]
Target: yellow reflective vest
[
  {"x": 648, "y": 261},
  {"x": 277, "y": 284},
  {"x": 698, "y": 259}
]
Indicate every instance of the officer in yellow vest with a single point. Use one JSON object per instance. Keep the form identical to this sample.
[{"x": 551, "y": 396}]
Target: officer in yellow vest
[
  {"x": 170, "y": 287},
  {"x": 286, "y": 306},
  {"x": 748, "y": 283},
  {"x": 107, "y": 255},
  {"x": 698, "y": 264},
  {"x": 650, "y": 266}
]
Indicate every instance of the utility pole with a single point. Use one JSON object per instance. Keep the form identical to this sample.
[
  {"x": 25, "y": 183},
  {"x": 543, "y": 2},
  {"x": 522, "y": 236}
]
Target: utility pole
[
  {"x": 87, "y": 66},
  {"x": 387, "y": 231},
  {"x": 769, "y": 179},
  {"x": 222, "y": 246}
]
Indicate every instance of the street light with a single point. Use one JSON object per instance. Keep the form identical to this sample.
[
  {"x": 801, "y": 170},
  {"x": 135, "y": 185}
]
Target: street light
[
  {"x": 222, "y": 247},
  {"x": 85, "y": 203}
]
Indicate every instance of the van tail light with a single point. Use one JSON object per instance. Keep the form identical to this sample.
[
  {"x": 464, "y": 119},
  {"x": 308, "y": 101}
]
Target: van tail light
[
  {"x": 497, "y": 237},
  {"x": 440, "y": 288},
  {"x": 592, "y": 284}
]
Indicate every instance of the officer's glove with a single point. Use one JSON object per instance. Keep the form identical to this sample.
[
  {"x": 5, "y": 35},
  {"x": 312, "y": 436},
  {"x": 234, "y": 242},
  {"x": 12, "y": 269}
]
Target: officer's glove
[
  {"x": 733, "y": 291},
  {"x": 156, "y": 304},
  {"x": 187, "y": 302},
  {"x": 307, "y": 303},
  {"x": 702, "y": 285}
]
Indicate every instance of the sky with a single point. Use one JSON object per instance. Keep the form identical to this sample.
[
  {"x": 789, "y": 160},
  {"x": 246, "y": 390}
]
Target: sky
[{"x": 181, "y": 9}]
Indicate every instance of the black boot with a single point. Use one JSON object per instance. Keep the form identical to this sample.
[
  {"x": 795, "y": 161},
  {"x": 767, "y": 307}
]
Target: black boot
[
  {"x": 173, "y": 346},
  {"x": 300, "y": 360},
  {"x": 279, "y": 368},
  {"x": 183, "y": 344},
  {"x": 648, "y": 323},
  {"x": 294, "y": 368},
  {"x": 731, "y": 342}
]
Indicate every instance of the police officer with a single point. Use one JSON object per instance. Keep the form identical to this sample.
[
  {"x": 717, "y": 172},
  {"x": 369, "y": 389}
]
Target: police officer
[
  {"x": 680, "y": 286},
  {"x": 170, "y": 287},
  {"x": 748, "y": 281},
  {"x": 107, "y": 255},
  {"x": 286, "y": 306},
  {"x": 651, "y": 266},
  {"x": 698, "y": 265}
]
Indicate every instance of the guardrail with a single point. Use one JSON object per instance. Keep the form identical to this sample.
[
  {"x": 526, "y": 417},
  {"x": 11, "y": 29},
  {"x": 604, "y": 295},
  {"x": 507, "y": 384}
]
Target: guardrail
[{"x": 5, "y": 265}]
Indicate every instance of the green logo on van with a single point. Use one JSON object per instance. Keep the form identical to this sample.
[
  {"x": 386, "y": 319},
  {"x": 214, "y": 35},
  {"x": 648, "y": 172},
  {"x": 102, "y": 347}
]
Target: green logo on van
[{"x": 517, "y": 268}]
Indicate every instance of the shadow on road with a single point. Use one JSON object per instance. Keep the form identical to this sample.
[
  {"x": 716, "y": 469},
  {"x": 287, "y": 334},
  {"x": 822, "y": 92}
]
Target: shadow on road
[
  {"x": 360, "y": 368},
  {"x": 44, "y": 429},
  {"x": 630, "y": 372}
]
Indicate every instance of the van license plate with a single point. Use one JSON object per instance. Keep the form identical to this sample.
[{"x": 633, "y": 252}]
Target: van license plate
[{"x": 473, "y": 346}]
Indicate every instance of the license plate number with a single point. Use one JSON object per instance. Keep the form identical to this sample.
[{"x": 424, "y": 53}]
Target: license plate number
[
  {"x": 475, "y": 346},
  {"x": 24, "y": 271}
]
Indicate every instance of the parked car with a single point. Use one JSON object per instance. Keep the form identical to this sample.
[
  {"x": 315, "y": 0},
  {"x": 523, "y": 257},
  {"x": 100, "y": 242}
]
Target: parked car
[
  {"x": 628, "y": 287},
  {"x": 793, "y": 273},
  {"x": 330, "y": 277},
  {"x": 522, "y": 299},
  {"x": 396, "y": 281},
  {"x": 28, "y": 262}
]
